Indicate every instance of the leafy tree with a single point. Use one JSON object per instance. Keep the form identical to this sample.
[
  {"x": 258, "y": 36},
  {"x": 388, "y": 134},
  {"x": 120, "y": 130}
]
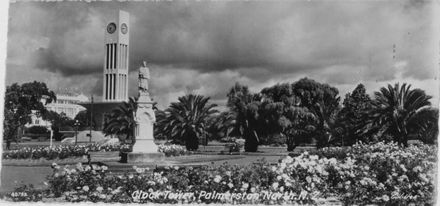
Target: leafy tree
[
  {"x": 297, "y": 111},
  {"x": 400, "y": 111},
  {"x": 353, "y": 117},
  {"x": 185, "y": 121},
  {"x": 277, "y": 101},
  {"x": 20, "y": 101},
  {"x": 59, "y": 122},
  {"x": 83, "y": 118},
  {"x": 245, "y": 107},
  {"x": 284, "y": 116},
  {"x": 121, "y": 121},
  {"x": 323, "y": 102}
]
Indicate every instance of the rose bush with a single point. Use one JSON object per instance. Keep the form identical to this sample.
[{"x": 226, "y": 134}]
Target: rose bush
[
  {"x": 93, "y": 183},
  {"x": 382, "y": 174},
  {"x": 385, "y": 174}
]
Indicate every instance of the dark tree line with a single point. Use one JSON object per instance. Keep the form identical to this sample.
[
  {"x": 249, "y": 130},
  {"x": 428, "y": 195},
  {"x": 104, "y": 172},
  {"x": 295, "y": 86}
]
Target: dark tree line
[
  {"x": 307, "y": 111},
  {"x": 295, "y": 113}
]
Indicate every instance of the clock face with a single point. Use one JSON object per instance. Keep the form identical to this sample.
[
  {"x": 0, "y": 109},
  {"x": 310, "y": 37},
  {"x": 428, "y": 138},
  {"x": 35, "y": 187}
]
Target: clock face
[
  {"x": 111, "y": 28},
  {"x": 124, "y": 28}
]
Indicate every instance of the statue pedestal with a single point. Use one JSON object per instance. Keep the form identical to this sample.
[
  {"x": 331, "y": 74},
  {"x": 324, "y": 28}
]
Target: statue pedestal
[
  {"x": 145, "y": 150},
  {"x": 145, "y": 146},
  {"x": 142, "y": 157}
]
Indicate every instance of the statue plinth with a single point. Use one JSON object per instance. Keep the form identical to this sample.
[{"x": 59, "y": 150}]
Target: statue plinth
[
  {"x": 144, "y": 128},
  {"x": 144, "y": 149}
]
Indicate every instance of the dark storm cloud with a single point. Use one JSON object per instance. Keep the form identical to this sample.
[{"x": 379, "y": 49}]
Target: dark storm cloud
[
  {"x": 339, "y": 42},
  {"x": 69, "y": 32}
]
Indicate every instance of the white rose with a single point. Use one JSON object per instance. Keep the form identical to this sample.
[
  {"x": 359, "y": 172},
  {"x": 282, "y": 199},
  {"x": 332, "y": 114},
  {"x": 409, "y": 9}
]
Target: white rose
[
  {"x": 85, "y": 188},
  {"x": 282, "y": 189},
  {"x": 217, "y": 179},
  {"x": 275, "y": 185}
]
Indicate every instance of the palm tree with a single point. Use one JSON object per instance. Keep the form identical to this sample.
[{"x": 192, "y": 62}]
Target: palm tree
[
  {"x": 427, "y": 130},
  {"x": 121, "y": 121},
  {"x": 400, "y": 111},
  {"x": 221, "y": 125},
  {"x": 186, "y": 120}
]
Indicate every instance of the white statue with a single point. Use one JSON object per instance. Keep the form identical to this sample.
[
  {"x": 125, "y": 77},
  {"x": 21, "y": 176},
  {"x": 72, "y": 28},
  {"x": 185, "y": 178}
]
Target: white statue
[
  {"x": 145, "y": 117},
  {"x": 144, "y": 76}
]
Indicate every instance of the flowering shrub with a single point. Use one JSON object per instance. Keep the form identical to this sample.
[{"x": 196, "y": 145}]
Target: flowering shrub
[
  {"x": 61, "y": 151},
  {"x": 385, "y": 174},
  {"x": 172, "y": 150},
  {"x": 93, "y": 183},
  {"x": 236, "y": 145},
  {"x": 126, "y": 148},
  {"x": 382, "y": 174}
]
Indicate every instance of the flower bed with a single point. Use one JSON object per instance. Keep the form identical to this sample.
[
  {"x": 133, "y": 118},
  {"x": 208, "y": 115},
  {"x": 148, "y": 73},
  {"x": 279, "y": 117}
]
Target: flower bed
[
  {"x": 65, "y": 151},
  {"x": 358, "y": 150},
  {"x": 60, "y": 152},
  {"x": 172, "y": 150},
  {"x": 383, "y": 174}
]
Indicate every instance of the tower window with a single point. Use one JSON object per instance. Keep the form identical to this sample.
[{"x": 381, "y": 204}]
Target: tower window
[
  {"x": 106, "y": 86},
  {"x": 106, "y": 57},
  {"x": 114, "y": 55}
]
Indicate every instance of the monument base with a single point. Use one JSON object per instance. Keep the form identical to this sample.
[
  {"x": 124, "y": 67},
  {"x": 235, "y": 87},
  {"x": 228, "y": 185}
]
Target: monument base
[
  {"x": 145, "y": 157},
  {"x": 145, "y": 146},
  {"x": 145, "y": 150}
]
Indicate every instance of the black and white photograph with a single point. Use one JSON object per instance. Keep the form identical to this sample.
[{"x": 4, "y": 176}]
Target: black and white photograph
[{"x": 246, "y": 102}]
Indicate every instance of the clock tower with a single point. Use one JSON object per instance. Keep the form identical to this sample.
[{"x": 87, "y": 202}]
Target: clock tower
[{"x": 117, "y": 33}]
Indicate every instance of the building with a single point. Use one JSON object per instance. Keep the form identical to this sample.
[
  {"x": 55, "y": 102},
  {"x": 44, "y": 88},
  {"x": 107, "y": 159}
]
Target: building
[{"x": 67, "y": 102}]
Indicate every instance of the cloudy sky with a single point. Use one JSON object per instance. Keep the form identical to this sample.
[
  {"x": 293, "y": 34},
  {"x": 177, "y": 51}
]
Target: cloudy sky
[{"x": 206, "y": 47}]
